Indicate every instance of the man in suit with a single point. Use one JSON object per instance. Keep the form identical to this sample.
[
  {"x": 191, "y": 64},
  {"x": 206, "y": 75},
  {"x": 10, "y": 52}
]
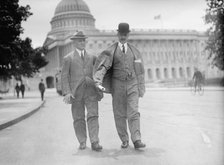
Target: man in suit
[
  {"x": 41, "y": 89},
  {"x": 119, "y": 70},
  {"x": 22, "y": 89},
  {"x": 17, "y": 89},
  {"x": 79, "y": 90}
]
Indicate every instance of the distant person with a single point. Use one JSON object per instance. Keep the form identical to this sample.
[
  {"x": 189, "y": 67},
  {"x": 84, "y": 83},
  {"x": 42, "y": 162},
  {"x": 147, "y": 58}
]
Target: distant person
[
  {"x": 198, "y": 78},
  {"x": 17, "y": 89},
  {"x": 22, "y": 89},
  {"x": 42, "y": 89}
]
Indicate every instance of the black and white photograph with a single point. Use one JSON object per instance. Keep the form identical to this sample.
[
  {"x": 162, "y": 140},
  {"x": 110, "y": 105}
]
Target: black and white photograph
[{"x": 104, "y": 82}]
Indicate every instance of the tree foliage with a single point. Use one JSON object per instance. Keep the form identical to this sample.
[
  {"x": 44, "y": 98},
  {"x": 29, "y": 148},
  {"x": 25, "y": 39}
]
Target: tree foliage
[
  {"x": 18, "y": 58},
  {"x": 215, "y": 45}
]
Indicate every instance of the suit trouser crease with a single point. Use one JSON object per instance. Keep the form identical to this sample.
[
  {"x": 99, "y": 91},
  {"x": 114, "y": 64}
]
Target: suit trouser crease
[
  {"x": 79, "y": 122},
  {"x": 78, "y": 114},
  {"x": 125, "y": 108}
]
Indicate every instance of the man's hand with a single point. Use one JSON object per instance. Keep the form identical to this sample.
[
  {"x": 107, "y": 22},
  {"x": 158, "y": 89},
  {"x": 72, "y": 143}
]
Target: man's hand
[
  {"x": 100, "y": 87},
  {"x": 67, "y": 98},
  {"x": 141, "y": 94}
]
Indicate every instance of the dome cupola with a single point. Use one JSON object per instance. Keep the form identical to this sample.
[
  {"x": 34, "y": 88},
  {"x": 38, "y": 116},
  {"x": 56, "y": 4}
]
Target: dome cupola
[
  {"x": 71, "y": 6},
  {"x": 71, "y": 15}
]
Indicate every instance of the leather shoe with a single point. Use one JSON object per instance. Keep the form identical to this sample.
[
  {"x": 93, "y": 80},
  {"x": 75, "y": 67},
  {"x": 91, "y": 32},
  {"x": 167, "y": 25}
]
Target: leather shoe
[
  {"x": 96, "y": 147},
  {"x": 82, "y": 146},
  {"x": 138, "y": 144},
  {"x": 124, "y": 144}
]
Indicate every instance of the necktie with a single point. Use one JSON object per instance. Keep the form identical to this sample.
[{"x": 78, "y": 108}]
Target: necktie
[
  {"x": 123, "y": 48},
  {"x": 82, "y": 55}
]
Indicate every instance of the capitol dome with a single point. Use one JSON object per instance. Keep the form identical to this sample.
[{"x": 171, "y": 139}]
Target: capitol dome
[
  {"x": 71, "y": 6},
  {"x": 71, "y": 15}
]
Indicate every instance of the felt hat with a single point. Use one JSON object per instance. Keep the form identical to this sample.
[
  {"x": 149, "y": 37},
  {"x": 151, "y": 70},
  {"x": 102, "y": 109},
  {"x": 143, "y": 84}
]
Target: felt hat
[
  {"x": 123, "y": 28},
  {"x": 77, "y": 35}
]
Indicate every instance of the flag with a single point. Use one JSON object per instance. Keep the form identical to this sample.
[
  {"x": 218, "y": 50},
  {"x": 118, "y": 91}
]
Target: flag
[{"x": 157, "y": 17}]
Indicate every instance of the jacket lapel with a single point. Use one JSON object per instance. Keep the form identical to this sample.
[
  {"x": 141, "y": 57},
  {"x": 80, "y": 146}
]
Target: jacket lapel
[
  {"x": 77, "y": 57},
  {"x": 86, "y": 57}
]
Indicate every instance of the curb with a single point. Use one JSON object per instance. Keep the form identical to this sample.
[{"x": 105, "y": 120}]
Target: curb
[
  {"x": 18, "y": 119},
  {"x": 182, "y": 89}
]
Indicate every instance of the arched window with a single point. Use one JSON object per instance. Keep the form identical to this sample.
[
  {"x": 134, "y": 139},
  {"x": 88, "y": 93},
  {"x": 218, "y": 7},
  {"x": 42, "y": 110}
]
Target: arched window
[
  {"x": 100, "y": 46},
  {"x": 174, "y": 73},
  {"x": 188, "y": 72},
  {"x": 150, "y": 74},
  {"x": 165, "y": 73},
  {"x": 181, "y": 72},
  {"x": 158, "y": 76},
  {"x": 50, "y": 82}
]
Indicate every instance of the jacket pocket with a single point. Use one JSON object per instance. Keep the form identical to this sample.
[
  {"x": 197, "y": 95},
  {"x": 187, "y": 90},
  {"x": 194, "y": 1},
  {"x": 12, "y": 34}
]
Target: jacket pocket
[{"x": 139, "y": 69}]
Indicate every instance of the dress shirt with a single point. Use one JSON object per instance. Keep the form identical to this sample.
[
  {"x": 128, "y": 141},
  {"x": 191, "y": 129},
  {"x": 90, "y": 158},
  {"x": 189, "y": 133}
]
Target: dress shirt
[
  {"x": 125, "y": 46},
  {"x": 81, "y": 52}
]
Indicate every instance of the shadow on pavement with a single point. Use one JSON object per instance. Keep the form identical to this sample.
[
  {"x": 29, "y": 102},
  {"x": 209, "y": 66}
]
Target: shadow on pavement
[{"x": 115, "y": 153}]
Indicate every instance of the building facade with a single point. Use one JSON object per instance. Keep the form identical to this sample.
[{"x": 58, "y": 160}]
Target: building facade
[{"x": 168, "y": 55}]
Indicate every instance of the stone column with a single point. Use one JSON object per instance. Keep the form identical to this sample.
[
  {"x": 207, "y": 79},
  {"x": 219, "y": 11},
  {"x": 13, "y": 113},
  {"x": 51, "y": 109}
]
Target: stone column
[
  {"x": 154, "y": 73},
  {"x": 177, "y": 72},
  {"x": 162, "y": 74},
  {"x": 169, "y": 72}
]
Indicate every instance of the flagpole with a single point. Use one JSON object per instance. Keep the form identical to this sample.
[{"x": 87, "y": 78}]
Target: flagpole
[{"x": 158, "y": 17}]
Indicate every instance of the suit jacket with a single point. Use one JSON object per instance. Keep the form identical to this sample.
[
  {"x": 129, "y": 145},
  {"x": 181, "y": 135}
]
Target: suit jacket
[
  {"x": 75, "y": 71},
  {"x": 103, "y": 68}
]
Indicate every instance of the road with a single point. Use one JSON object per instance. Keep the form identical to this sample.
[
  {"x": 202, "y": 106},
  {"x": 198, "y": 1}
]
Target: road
[{"x": 177, "y": 127}]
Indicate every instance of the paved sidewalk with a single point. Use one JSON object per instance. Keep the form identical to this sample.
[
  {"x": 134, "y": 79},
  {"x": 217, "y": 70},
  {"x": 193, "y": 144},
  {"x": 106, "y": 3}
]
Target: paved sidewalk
[
  {"x": 177, "y": 128},
  {"x": 13, "y": 110},
  {"x": 149, "y": 87}
]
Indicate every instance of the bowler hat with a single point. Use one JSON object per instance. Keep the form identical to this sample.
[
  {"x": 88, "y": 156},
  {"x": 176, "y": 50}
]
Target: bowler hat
[
  {"x": 78, "y": 34},
  {"x": 123, "y": 28}
]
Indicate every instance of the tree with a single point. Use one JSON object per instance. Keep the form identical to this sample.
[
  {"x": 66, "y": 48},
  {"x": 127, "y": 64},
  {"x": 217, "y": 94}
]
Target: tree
[
  {"x": 215, "y": 45},
  {"x": 28, "y": 60},
  {"x": 18, "y": 58}
]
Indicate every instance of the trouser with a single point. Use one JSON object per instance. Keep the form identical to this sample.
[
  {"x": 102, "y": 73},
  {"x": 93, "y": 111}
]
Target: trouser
[
  {"x": 125, "y": 107},
  {"x": 42, "y": 95},
  {"x": 22, "y": 94},
  {"x": 79, "y": 122},
  {"x": 85, "y": 97},
  {"x": 17, "y": 93}
]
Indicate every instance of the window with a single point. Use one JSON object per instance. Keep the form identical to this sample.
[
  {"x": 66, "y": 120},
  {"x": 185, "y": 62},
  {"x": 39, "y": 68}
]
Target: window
[
  {"x": 158, "y": 73},
  {"x": 149, "y": 73}
]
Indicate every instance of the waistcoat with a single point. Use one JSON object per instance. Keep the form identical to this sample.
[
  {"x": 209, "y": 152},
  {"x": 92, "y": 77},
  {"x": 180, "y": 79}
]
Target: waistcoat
[{"x": 123, "y": 65}]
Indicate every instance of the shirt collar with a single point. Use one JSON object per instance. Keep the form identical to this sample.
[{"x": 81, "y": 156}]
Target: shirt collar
[
  {"x": 79, "y": 51},
  {"x": 125, "y": 46}
]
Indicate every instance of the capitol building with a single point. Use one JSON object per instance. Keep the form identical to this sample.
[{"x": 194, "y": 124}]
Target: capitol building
[{"x": 168, "y": 55}]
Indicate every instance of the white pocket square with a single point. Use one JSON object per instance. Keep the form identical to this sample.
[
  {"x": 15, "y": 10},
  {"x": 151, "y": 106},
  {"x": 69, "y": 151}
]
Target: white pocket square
[{"x": 138, "y": 61}]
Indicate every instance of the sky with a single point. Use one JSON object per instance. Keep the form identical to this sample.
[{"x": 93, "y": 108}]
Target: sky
[{"x": 174, "y": 14}]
